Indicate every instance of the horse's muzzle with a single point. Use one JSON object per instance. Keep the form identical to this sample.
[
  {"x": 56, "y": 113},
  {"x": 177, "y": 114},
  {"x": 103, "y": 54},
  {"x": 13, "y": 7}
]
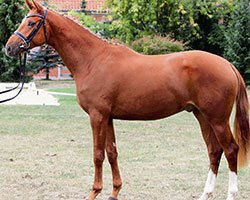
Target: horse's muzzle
[{"x": 12, "y": 50}]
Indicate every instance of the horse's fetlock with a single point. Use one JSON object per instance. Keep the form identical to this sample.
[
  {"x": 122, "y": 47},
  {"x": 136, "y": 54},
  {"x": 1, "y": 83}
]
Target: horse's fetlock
[
  {"x": 117, "y": 185},
  {"x": 97, "y": 189}
]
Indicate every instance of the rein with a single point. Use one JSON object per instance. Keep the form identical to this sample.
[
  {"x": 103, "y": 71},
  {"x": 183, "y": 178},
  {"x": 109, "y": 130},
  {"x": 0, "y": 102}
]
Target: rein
[
  {"x": 26, "y": 47},
  {"x": 22, "y": 73}
]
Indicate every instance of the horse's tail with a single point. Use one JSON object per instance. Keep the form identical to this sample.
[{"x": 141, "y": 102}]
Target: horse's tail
[{"x": 241, "y": 122}]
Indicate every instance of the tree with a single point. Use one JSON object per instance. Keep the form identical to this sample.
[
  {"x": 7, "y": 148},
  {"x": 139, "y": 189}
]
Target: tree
[
  {"x": 44, "y": 58},
  {"x": 11, "y": 14},
  {"x": 237, "y": 48},
  {"x": 100, "y": 28},
  {"x": 207, "y": 20},
  {"x": 133, "y": 19},
  {"x": 83, "y": 5},
  {"x": 196, "y": 22}
]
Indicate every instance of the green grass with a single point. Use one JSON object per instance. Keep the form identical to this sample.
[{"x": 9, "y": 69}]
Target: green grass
[
  {"x": 65, "y": 90},
  {"x": 46, "y": 153}
]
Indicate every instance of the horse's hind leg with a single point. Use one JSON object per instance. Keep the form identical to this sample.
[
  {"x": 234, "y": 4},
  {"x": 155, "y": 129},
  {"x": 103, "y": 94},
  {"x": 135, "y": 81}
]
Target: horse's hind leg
[
  {"x": 214, "y": 151},
  {"x": 230, "y": 148},
  {"x": 112, "y": 157}
]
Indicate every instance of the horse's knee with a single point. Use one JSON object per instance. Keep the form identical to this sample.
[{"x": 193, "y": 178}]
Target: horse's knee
[
  {"x": 112, "y": 153},
  {"x": 99, "y": 157}
]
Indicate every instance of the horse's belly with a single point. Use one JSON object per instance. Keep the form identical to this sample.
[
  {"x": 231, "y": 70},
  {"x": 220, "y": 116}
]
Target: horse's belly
[{"x": 145, "y": 109}]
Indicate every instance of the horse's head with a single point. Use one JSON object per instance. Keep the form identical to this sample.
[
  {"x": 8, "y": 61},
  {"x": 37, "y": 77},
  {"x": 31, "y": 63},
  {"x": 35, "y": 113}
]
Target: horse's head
[{"x": 32, "y": 31}]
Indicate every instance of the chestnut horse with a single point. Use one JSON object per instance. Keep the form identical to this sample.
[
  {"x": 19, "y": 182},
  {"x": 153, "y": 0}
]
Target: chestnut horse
[{"x": 114, "y": 82}]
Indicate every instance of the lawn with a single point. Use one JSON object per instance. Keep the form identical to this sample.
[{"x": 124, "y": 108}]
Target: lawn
[{"x": 46, "y": 154}]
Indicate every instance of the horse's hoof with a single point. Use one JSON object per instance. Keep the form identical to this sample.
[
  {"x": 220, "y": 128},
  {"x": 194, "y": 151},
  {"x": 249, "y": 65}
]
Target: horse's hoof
[{"x": 112, "y": 198}]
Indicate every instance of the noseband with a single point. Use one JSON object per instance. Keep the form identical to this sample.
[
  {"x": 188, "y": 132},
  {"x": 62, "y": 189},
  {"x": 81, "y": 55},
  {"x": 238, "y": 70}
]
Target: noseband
[
  {"x": 26, "y": 47},
  {"x": 28, "y": 39}
]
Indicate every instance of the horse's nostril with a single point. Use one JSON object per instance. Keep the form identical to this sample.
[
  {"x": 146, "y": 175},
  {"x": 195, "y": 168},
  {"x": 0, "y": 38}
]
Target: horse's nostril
[{"x": 8, "y": 48}]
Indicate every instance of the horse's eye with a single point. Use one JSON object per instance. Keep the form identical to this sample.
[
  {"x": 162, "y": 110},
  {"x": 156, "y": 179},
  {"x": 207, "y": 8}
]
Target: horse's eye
[{"x": 31, "y": 24}]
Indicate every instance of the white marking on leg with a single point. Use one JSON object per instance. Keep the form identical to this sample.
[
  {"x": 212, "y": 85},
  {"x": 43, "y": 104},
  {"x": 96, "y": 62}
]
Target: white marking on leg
[
  {"x": 232, "y": 187},
  {"x": 209, "y": 187}
]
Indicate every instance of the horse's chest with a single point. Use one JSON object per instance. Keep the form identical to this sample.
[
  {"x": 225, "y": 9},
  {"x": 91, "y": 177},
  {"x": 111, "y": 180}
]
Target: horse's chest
[{"x": 91, "y": 98}]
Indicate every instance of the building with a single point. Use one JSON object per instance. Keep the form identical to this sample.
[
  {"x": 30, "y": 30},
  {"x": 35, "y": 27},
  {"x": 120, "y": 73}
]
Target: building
[{"x": 93, "y": 7}]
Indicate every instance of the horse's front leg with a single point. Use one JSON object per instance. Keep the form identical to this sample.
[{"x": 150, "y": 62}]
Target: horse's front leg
[
  {"x": 112, "y": 157},
  {"x": 99, "y": 124}
]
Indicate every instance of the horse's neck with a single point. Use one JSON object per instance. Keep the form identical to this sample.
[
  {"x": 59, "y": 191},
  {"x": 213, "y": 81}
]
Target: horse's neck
[{"x": 77, "y": 46}]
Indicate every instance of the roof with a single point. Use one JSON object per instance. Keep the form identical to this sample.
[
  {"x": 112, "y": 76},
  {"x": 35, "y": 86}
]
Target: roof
[{"x": 91, "y": 5}]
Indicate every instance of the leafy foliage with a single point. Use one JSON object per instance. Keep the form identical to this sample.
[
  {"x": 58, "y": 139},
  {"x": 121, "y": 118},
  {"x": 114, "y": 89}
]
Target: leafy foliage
[
  {"x": 10, "y": 17},
  {"x": 207, "y": 30},
  {"x": 133, "y": 19},
  {"x": 148, "y": 45},
  {"x": 87, "y": 21},
  {"x": 96, "y": 27},
  {"x": 237, "y": 48},
  {"x": 154, "y": 45},
  {"x": 193, "y": 21}
]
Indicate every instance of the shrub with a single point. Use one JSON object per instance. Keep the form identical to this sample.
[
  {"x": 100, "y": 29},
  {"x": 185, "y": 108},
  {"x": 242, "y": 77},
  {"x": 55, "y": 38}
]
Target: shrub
[
  {"x": 237, "y": 48},
  {"x": 157, "y": 45}
]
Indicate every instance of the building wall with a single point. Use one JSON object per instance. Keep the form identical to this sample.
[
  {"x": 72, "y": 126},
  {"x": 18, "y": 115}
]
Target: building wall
[
  {"x": 56, "y": 73},
  {"x": 91, "y": 5}
]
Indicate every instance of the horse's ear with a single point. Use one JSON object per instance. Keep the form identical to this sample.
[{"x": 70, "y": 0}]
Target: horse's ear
[
  {"x": 29, "y": 4},
  {"x": 38, "y": 7}
]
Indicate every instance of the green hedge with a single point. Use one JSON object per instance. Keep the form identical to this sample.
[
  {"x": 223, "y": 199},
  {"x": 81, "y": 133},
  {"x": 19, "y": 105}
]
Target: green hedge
[{"x": 153, "y": 45}]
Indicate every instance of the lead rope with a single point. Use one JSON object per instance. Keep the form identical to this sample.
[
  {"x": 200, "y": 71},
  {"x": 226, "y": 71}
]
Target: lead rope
[{"x": 22, "y": 78}]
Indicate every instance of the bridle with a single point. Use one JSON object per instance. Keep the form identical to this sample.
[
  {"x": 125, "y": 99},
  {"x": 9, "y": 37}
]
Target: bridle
[
  {"x": 28, "y": 39},
  {"x": 25, "y": 46}
]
